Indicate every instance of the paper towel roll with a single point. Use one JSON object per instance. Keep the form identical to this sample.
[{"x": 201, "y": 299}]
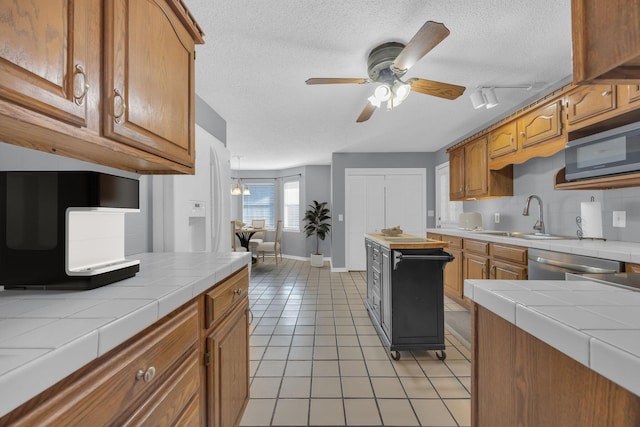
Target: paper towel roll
[{"x": 591, "y": 214}]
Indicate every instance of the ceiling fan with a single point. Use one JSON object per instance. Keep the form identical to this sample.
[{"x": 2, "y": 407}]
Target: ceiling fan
[{"x": 388, "y": 62}]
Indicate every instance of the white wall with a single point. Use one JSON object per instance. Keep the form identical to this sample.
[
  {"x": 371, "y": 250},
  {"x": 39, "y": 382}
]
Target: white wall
[
  {"x": 177, "y": 227},
  {"x": 137, "y": 226}
]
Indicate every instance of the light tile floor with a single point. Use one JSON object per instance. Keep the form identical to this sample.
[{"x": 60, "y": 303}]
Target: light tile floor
[{"x": 316, "y": 358}]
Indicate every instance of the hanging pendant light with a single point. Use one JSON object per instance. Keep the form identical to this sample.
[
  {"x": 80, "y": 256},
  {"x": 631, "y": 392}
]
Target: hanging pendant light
[{"x": 240, "y": 189}]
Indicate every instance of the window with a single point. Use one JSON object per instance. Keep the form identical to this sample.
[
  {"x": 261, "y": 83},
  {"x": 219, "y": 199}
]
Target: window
[
  {"x": 292, "y": 205},
  {"x": 259, "y": 205}
]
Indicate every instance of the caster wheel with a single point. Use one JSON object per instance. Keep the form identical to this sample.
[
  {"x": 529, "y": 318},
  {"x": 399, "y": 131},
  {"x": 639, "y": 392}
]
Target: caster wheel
[
  {"x": 441, "y": 355},
  {"x": 395, "y": 355}
]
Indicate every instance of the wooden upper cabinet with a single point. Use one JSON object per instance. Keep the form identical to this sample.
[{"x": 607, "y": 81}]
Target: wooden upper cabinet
[
  {"x": 503, "y": 140},
  {"x": 148, "y": 95},
  {"x": 586, "y": 102},
  {"x": 476, "y": 168},
  {"x": 540, "y": 125},
  {"x": 606, "y": 40},
  {"x": 633, "y": 93},
  {"x": 456, "y": 174},
  {"x": 44, "y": 57},
  {"x": 469, "y": 174}
]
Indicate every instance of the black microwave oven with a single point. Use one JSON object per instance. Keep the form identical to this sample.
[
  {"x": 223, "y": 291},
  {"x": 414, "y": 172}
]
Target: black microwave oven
[{"x": 616, "y": 151}]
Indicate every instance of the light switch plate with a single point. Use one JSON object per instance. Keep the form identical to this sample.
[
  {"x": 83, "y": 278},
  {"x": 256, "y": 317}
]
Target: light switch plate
[
  {"x": 496, "y": 217},
  {"x": 620, "y": 219}
]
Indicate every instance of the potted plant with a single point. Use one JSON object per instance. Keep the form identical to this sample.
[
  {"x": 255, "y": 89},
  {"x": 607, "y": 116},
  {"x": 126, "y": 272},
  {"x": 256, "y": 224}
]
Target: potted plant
[{"x": 316, "y": 218}]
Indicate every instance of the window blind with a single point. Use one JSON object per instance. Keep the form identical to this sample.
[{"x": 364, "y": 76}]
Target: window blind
[{"x": 259, "y": 205}]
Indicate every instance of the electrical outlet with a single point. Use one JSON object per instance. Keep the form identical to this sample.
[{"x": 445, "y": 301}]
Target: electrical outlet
[
  {"x": 496, "y": 217},
  {"x": 620, "y": 219}
]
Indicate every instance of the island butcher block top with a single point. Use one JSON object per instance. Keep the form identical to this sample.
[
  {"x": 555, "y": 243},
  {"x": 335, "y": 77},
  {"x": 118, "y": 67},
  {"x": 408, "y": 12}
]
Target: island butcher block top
[{"x": 405, "y": 241}]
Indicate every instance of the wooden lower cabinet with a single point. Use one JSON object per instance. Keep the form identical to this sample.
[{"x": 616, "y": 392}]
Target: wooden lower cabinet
[
  {"x": 227, "y": 368},
  {"x": 452, "y": 276},
  {"x": 153, "y": 378},
  {"x": 181, "y": 371},
  {"x": 518, "y": 380}
]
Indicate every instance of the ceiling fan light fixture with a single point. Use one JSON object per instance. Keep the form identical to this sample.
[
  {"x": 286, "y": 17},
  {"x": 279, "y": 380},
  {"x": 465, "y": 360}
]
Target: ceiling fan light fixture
[
  {"x": 374, "y": 101},
  {"x": 490, "y": 97},
  {"x": 382, "y": 93},
  {"x": 477, "y": 99},
  {"x": 400, "y": 91}
]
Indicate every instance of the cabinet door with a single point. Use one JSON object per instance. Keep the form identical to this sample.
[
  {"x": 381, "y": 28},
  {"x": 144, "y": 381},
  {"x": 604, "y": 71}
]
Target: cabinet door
[
  {"x": 228, "y": 370},
  {"x": 475, "y": 267},
  {"x": 540, "y": 125},
  {"x": 386, "y": 293},
  {"x": 504, "y": 271},
  {"x": 476, "y": 169},
  {"x": 148, "y": 97},
  {"x": 456, "y": 174},
  {"x": 503, "y": 140},
  {"x": 44, "y": 64},
  {"x": 634, "y": 92},
  {"x": 590, "y": 101},
  {"x": 452, "y": 275}
]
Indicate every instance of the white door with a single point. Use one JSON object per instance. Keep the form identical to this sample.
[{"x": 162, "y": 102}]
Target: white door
[
  {"x": 381, "y": 198},
  {"x": 446, "y": 211},
  {"x": 405, "y": 195},
  {"x": 364, "y": 213}
]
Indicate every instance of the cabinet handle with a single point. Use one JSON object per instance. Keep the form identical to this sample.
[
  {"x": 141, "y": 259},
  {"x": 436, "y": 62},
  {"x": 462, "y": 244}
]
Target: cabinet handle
[
  {"x": 492, "y": 273},
  {"x": 80, "y": 89},
  {"x": 146, "y": 375},
  {"x": 237, "y": 291},
  {"x": 123, "y": 107},
  {"x": 606, "y": 92},
  {"x": 523, "y": 134}
]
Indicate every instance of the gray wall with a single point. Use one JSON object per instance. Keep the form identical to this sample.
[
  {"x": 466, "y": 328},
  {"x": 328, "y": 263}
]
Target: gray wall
[
  {"x": 560, "y": 207},
  {"x": 209, "y": 120},
  {"x": 342, "y": 161},
  {"x": 314, "y": 185}
]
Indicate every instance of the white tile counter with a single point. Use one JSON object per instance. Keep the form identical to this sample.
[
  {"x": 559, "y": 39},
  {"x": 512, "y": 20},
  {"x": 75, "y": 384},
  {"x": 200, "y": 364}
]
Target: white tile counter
[
  {"x": 598, "y": 325},
  {"x": 610, "y": 249},
  {"x": 47, "y": 335}
]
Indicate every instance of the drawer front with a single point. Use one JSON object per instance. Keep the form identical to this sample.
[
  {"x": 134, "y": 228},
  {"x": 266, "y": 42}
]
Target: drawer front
[
  {"x": 434, "y": 236},
  {"x": 116, "y": 387},
  {"x": 224, "y": 296},
  {"x": 453, "y": 241},
  {"x": 509, "y": 253},
  {"x": 476, "y": 246},
  {"x": 166, "y": 406}
]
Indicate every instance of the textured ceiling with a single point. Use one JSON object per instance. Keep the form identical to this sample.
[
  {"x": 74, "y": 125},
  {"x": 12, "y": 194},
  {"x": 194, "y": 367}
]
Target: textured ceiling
[{"x": 258, "y": 54}]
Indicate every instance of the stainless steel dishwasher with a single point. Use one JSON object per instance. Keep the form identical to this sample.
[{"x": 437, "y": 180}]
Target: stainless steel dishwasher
[{"x": 549, "y": 265}]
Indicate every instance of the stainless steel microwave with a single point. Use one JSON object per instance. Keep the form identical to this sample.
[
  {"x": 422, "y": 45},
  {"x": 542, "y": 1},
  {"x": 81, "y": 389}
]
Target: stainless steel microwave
[{"x": 612, "y": 152}]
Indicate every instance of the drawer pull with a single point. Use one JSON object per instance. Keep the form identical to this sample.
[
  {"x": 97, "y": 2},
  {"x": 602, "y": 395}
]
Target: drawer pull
[
  {"x": 238, "y": 291},
  {"x": 146, "y": 376}
]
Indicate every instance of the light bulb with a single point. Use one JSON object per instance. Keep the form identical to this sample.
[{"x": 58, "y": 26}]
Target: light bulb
[{"x": 382, "y": 93}]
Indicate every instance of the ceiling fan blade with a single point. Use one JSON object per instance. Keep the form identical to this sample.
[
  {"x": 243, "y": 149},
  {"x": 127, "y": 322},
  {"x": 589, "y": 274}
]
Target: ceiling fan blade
[
  {"x": 330, "y": 81},
  {"x": 425, "y": 39},
  {"x": 366, "y": 113},
  {"x": 439, "y": 89}
]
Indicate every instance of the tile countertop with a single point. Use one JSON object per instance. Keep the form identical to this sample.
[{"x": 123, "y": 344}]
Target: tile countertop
[
  {"x": 47, "y": 335},
  {"x": 596, "y": 324},
  {"x": 609, "y": 249}
]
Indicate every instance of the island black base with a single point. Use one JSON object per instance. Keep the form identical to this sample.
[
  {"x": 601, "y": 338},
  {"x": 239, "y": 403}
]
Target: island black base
[{"x": 405, "y": 297}]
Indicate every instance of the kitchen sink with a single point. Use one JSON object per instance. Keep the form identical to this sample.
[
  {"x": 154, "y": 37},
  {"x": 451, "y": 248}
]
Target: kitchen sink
[{"x": 525, "y": 235}]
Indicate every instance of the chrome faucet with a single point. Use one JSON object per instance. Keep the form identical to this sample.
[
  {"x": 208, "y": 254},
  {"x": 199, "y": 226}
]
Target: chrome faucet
[{"x": 539, "y": 225}]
